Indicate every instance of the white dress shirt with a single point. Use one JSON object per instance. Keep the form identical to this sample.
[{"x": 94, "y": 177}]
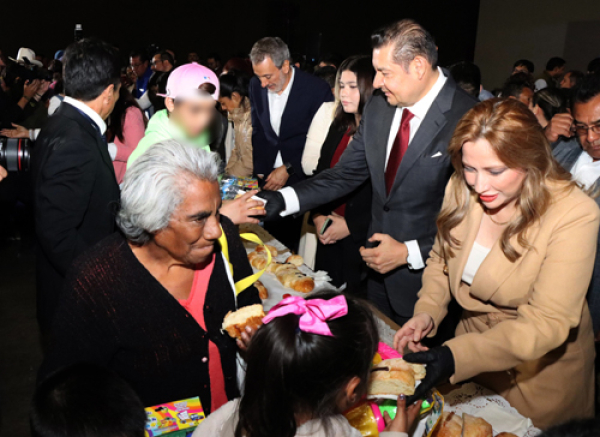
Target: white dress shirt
[
  {"x": 277, "y": 103},
  {"x": 419, "y": 110},
  {"x": 87, "y": 111},
  {"x": 585, "y": 170}
]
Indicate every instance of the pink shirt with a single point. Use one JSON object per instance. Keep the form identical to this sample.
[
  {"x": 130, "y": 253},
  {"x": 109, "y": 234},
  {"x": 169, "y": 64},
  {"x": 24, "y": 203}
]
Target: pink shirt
[
  {"x": 194, "y": 304},
  {"x": 133, "y": 132}
]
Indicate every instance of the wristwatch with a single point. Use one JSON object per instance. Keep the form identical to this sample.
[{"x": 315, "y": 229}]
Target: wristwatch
[{"x": 289, "y": 168}]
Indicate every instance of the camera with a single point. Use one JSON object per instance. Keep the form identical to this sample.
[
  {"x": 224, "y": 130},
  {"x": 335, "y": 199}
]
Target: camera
[{"x": 15, "y": 154}]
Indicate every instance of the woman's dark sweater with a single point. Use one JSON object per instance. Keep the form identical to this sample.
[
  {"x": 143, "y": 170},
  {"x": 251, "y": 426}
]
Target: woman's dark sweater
[{"x": 113, "y": 312}]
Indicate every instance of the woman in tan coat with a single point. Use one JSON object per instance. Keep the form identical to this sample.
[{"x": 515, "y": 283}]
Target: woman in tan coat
[
  {"x": 234, "y": 99},
  {"x": 515, "y": 247}
]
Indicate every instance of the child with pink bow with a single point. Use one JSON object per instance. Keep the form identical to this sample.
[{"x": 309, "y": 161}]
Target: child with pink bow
[{"x": 308, "y": 364}]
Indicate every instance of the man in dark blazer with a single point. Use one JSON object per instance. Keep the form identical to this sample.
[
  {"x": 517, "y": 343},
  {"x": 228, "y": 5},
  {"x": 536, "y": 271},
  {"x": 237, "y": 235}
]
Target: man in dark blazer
[
  {"x": 580, "y": 156},
  {"x": 401, "y": 146},
  {"x": 284, "y": 101},
  {"x": 75, "y": 188}
]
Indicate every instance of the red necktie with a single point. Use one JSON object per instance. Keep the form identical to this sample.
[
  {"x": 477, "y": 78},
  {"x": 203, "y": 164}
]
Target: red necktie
[{"x": 398, "y": 149}]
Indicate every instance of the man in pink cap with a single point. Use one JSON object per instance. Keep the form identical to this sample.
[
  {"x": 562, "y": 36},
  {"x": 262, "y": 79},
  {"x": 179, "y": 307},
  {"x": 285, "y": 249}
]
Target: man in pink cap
[{"x": 190, "y": 101}]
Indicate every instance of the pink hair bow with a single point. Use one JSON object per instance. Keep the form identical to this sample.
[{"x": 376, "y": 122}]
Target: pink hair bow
[{"x": 314, "y": 313}]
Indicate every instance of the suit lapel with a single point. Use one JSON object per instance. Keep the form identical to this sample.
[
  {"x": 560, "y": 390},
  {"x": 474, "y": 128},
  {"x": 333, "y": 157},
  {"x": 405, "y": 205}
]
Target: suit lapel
[
  {"x": 431, "y": 125},
  {"x": 265, "y": 116},
  {"x": 295, "y": 92},
  {"x": 466, "y": 233},
  {"x": 383, "y": 125},
  {"x": 496, "y": 268}
]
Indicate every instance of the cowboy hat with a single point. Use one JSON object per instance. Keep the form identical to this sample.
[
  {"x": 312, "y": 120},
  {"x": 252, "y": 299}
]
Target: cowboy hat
[{"x": 26, "y": 56}]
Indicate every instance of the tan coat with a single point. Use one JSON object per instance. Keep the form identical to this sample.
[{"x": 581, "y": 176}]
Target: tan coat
[
  {"x": 526, "y": 330},
  {"x": 240, "y": 161}
]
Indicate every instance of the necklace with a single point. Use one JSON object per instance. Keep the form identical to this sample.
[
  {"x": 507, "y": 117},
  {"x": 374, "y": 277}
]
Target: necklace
[{"x": 499, "y": 223}]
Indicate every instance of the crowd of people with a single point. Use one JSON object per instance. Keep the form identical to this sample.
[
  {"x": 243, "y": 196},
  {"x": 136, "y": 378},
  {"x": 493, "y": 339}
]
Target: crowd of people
[{"x": 469, "y": 217}]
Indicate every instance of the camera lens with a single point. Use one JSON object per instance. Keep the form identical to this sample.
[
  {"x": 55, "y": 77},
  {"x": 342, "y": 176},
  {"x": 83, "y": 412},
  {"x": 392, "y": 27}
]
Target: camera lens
[{"x": 15, "y": 154}]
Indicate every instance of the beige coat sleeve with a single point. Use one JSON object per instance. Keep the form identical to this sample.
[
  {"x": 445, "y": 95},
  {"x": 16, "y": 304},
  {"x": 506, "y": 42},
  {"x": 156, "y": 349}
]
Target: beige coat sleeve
[{"x": 555, "y": 305}]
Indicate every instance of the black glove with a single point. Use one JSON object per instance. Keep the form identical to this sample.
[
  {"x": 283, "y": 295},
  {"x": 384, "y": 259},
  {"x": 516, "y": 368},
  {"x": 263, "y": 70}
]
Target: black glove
[
  {"x": 275, "y": 204},
  {"x": 440, "y": 367}
]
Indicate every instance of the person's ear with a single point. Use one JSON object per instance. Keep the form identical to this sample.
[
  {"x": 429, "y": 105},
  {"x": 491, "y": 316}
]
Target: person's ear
[
  {"x": 420, "y": 66},
  {"x": 352, "y": 397},
  {"x": 108, "y": 94},
  {"x": 169, "y": 104},
  {"x": 285, "y": 67},
  {"x": 236, "y": 97}
]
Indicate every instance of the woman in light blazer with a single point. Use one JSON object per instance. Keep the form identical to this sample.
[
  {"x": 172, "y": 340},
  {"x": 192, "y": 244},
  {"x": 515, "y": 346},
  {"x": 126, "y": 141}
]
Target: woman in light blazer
[{"x": 515, "y": 247}]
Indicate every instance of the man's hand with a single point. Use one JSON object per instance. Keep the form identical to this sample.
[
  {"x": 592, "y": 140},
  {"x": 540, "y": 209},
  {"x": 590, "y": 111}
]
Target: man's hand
[
  {"x": 405, "y": 416},
  {"x": 3, "y": 173},
  {"x": 274, "y": 206},
  {"x": 559, "y": 126},
  {"x": 31, "y": 88},
  {"x": 44, "y": 85},
  {"x": 17, "y": 132},
  {"x": 337, "y": 230},
  {"x": 389, "y": 255},
  {"x": 412, "y": 332},
  {"x": 440, "y": 367},
  {"x": 244, "y": 209},
  {"x": 277, "y": 179}
]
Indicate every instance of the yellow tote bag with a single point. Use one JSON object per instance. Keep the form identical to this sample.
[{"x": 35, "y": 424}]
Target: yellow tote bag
[{"x": 242, "y": 284}]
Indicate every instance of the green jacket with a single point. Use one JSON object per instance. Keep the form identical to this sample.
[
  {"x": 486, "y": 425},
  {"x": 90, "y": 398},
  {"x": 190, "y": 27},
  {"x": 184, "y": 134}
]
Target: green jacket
[{"x": 160, "y": 128}]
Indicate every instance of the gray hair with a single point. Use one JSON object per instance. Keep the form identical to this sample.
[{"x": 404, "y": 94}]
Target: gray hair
[
  {"x": 154, "y": 186},
  {"x": 410, "y": 40},
  {"x": 272, "y": 47}
]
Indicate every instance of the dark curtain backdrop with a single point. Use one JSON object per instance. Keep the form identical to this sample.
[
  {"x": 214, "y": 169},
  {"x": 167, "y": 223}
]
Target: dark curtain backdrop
[{"x": 231, "y": 27}]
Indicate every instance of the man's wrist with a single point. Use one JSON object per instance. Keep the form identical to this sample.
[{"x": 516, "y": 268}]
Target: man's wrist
[{"x": 289, "y": 168}]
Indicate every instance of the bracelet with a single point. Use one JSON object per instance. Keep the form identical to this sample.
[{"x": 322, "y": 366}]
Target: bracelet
[{"x": 26, "y": 98}]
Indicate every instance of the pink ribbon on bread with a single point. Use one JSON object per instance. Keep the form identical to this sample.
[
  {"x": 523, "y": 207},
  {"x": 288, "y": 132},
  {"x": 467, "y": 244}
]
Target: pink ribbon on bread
[{"x": 314, "y": 313}]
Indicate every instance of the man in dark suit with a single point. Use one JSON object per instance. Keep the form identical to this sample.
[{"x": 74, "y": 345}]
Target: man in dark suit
[
  {"x": 401, "y": 146},
  {"x": 75, "y": 188},
  {"x": 580, "y": 156},
  {"x": 284, "y": 101}
]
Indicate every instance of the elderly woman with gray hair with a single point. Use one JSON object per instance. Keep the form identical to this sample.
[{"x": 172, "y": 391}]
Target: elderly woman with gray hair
[{"x": 149, "y": 303}]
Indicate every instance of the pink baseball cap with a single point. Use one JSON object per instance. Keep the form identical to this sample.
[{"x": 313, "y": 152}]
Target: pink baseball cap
[{"x": 184, "y": 82}]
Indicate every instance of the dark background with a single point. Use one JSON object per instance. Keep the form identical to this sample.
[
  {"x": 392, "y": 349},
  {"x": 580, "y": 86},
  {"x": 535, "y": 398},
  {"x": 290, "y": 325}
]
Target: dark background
[{"x": 231, "y": 27}]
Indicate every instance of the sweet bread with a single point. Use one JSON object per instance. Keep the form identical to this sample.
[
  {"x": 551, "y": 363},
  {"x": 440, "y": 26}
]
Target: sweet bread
[
  {"x": 260, "y": 249},
  {"x": 258, "y": 260},
  {"x": 296, "y": 260},
  {"x": 236, "y": 322},
  {"x": 476, "y": 427},
  {"x": 506, "y": 434},
  {"x": 395, "y": 377},
  {"x": 262, "y": 290},
  {"x": 450, "y": 426}
]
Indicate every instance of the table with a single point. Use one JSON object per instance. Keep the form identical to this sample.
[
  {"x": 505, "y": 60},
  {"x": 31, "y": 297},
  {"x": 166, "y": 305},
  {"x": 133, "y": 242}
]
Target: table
[{"x": 468, "y": 398}]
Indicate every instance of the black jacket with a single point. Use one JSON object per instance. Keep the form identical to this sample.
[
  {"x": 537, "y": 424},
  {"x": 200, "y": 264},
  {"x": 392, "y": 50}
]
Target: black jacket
[
  {"x": 114, "y": 313},
  {"x": 75, "y": 196},
  {"x": 358, "y": 203},
  {"x": 306, "y": 96},
  {"x": 409, "y": 212}
]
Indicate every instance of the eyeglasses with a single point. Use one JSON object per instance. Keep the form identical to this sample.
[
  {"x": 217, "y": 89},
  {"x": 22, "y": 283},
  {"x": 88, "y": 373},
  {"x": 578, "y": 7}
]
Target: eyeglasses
[
  {"x": 582, "y": 130},
  {"x": 136, "y": 65}
]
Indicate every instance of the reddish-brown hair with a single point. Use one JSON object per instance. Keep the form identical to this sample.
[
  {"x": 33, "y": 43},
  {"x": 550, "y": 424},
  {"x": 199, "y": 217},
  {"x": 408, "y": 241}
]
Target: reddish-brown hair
[{"x": 519, "y": 141}]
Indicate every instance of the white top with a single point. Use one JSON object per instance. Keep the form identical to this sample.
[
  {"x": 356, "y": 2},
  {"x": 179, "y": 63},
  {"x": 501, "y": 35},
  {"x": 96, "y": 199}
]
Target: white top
[
  {"x": 476, "y": 257},
  {"x": 585, "y": 170},
  {"x": 277, "y": 103},
  {"x": 540, "y": 84},
  {"x": 317, "y": 133},
  {"x": 419, "y": 110},
  {"x": 222, "y": 423},
  {"x": 87, "y": 111}
]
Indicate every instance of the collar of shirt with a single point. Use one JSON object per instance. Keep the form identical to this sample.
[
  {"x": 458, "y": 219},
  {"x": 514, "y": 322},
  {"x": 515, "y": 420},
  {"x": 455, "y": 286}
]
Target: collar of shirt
[
  {"x": 420, "y": 108},
  {"x": 585, "y": 170},
  {"x": 286, "y": 91},
  {"x": 87, "y": 111}
]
